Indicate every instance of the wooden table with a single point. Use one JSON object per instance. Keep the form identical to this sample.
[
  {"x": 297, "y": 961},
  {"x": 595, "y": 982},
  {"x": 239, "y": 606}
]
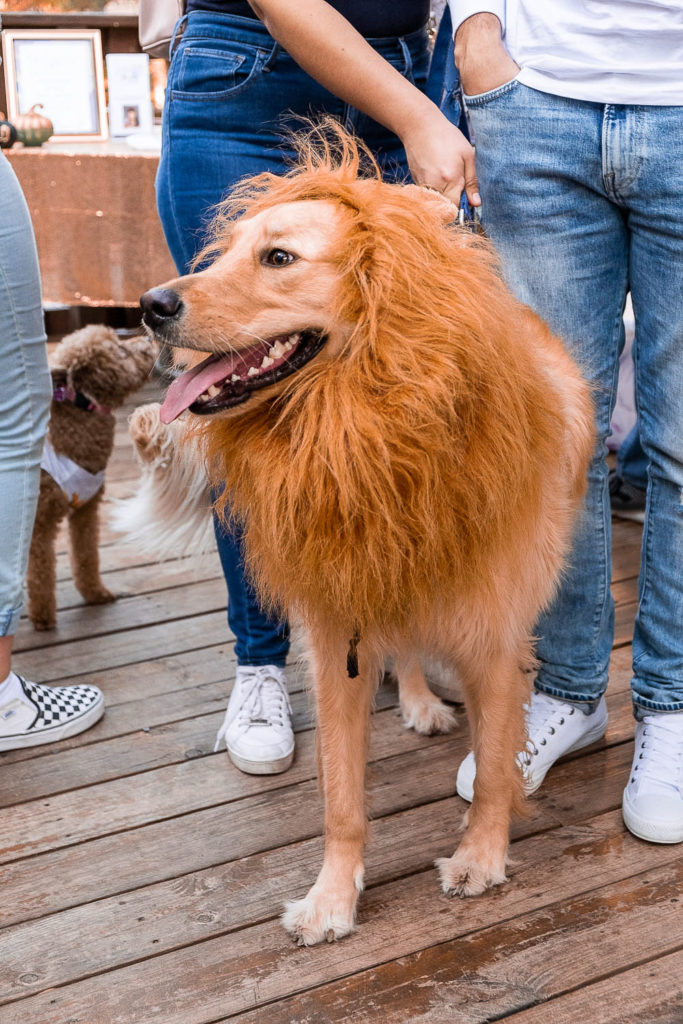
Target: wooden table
[{"x": 94, "y": 213}]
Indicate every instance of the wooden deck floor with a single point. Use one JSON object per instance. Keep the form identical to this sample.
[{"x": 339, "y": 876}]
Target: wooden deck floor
[{"x": 142, "y": 875}]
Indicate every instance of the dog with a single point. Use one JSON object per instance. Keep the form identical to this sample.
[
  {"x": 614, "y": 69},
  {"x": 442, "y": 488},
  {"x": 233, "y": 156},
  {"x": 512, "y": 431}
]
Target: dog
[
  {"x": 93, "y": 372},
  {"x": 406, "y": 447}
]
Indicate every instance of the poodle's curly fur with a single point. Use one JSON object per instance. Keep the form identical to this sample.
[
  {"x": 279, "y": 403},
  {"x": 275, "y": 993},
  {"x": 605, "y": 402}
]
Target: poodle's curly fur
[
  {"x": 107, "y": 369},
  {"x": 415, "y": 483}
]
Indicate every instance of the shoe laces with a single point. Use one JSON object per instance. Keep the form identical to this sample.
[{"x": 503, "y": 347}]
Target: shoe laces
[
  {"x": 264, "y": 700},
  {"x": 660, "y": 755},
  {"x": 544, "y": 716}
]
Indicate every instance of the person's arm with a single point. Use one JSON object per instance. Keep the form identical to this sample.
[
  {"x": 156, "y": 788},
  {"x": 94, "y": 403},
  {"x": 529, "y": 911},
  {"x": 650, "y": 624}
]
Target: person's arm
[
  {"x": 327, "y": 46},
  {"x": 480, "y": 55}
]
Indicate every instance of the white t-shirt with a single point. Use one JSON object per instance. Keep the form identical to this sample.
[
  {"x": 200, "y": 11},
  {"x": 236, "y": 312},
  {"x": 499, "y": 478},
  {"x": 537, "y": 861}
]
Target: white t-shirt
[{"x": 604, "y": 51}]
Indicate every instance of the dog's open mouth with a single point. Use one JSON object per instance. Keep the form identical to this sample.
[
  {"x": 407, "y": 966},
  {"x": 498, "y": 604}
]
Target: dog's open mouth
[{"x": 221, "y": 382}]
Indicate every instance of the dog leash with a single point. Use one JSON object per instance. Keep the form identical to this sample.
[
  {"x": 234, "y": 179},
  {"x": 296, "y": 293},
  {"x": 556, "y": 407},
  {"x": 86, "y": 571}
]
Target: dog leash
[{"x": 470, "y": 217}]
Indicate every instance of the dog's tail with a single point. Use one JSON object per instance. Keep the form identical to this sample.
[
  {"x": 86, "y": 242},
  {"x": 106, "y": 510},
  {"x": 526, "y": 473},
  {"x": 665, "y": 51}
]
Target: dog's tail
[{"x": 170, "y": 513}]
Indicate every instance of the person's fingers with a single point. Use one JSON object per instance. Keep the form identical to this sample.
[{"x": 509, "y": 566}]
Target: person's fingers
[
  {"x": 471, "y": 183},
  {"x": 454, "y": 189}
]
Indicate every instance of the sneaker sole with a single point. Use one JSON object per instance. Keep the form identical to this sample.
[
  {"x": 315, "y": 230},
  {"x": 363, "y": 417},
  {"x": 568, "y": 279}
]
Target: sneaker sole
[
  {"x": 281, "y": 764},
  {"x": 54, "y": 733},
  {"x": 586, "y": 741},
  {"x": 644, "y": 829}
]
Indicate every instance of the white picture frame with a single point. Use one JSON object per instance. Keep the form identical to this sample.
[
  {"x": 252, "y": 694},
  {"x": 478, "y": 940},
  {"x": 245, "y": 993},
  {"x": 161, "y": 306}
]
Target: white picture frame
[
  {"x": 63, "y": 70},
  {"x": 130, "y": 97}
]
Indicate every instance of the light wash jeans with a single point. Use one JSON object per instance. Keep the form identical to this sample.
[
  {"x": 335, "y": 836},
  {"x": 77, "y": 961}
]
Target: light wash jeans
[
  {"x": 25, "y": 393},
  {"x": 584, "y": 201}
]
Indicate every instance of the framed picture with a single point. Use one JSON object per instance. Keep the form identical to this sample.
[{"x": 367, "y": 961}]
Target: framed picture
[
  {"x": 63, "y": 70},
  {"x": 130, "y": 97}
]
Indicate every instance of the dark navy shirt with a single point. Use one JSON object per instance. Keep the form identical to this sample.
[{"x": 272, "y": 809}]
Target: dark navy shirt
[{"x": 372, "y": 20}]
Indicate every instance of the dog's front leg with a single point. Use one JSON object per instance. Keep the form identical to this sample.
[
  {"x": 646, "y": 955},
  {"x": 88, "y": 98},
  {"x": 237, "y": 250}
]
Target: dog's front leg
[
  {"x": 343, "y": 704},
  {"x": 495, "y": 692}
]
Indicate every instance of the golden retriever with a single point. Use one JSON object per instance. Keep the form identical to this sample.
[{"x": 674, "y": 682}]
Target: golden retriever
[{"x": 406, "y": 446}]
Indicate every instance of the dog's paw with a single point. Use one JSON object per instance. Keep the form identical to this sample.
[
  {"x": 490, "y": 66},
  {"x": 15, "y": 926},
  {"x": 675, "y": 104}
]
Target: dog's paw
[
  {"x": 42, "y": 623},
  {"x": 428, "y": 715},
  {"x": 465, "y": 875},
  {"x": 320, "y": 917},
  {"x": 147, "y": 431},
  {"x": 98, "y": 595}
]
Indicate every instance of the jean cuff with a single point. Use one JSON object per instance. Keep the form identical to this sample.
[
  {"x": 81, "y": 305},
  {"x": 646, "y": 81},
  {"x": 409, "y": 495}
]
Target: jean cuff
[
  {"x": 585, "y": 704},
  {"x": 280, "y": 661},
  {"x": 642, "y": 706},
  {"x": 9, "y": 621}
]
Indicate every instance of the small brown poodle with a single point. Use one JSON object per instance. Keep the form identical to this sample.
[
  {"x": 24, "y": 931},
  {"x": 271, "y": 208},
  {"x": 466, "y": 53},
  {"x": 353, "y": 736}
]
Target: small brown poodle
[{"x": 93, "y": 372}]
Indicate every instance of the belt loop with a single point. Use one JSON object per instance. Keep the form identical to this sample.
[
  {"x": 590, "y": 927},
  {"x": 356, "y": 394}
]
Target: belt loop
[
  {"x": 408, "y": 72},
  {"x": 178, "y": 33},
  {"x": 273, "y": 56}
]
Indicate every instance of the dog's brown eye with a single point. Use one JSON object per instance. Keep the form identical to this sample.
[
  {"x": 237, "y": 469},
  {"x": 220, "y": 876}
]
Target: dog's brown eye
[{"x": 278, "y": 258}]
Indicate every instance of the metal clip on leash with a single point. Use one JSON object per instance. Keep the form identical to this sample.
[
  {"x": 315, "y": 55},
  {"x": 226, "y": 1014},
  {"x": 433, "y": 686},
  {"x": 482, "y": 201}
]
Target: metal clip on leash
[{"x": 470, "y": 217}]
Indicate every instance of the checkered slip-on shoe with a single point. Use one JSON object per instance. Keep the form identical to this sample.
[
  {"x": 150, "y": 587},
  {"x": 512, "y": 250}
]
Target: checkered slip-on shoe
[{"x": 48, "y": 714}]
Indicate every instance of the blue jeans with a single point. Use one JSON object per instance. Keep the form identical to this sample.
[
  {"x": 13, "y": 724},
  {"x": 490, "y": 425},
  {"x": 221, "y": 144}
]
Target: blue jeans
[
  {"x": 231, "y": 93},
  {"x": 583, "y": 202},
  {"x": 632, "y": 460},
  {"x": 24, "y": 396}
]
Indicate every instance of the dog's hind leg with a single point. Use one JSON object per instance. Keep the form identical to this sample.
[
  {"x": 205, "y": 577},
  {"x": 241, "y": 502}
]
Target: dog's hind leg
[
  {"x": 421, "y": 709},
  {"x": 343, "y": 707},
  {"x": 85, "y": 555},
  {"x": 495, "y": 696},
  {"x": 41, "y": 578}
]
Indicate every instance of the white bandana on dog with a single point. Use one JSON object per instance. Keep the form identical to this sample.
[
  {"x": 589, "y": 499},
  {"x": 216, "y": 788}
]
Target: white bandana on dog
[{"x": 77, "y": 483}]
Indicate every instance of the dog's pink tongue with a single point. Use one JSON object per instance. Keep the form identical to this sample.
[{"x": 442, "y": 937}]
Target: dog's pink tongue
[{"x": 187, "y": 388}]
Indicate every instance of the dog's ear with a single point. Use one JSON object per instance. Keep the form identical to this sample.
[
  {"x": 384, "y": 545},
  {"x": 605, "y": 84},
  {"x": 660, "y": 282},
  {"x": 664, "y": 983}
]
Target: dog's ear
[{"x": 438, "y": 203}]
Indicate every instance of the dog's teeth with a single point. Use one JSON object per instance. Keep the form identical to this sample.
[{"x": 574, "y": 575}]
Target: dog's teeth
[
  {"x": 289, "y": 345},
  {"x": 267, "y": 361},
  {"x": 235, "y": 377},
  {"x": 277, "y": 350},
  {"x": 213, "y": 390},
  {"x": 252, "y": 372}
]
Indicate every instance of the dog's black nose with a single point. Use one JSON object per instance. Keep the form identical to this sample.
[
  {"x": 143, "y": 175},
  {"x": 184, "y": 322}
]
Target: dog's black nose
[{"x": 159, "y": 305}]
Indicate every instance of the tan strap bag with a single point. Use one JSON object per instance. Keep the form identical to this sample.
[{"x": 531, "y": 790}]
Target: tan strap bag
[{"x": 156, "y": 21}]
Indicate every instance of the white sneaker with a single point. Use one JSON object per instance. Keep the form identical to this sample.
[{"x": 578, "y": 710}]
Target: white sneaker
[
  {"x": 257, "y": 727},
  {"x": 554, "y": 728},
  {"x": 653, "y": 799},
  {"x": 31, "y": 714}
]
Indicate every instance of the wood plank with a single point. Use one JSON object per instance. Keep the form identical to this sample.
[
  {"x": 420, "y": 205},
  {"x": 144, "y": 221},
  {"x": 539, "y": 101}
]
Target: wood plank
[
  {"x": 219, "y": 900},
  {"x": 151, "y": 691},
  {"x": 486, "y": 975},
  {"x": 128, "y": 614},
  {"x": 146, "y": 579},
  {"x": 648, "y": 994},
  {"x": 505, "y": 966},
  {"x": 575, "y": 790},
  {"x": 79, "y": 657},
  {"x": 69, "y": 818},
  {"x": 191, "y": 736}
]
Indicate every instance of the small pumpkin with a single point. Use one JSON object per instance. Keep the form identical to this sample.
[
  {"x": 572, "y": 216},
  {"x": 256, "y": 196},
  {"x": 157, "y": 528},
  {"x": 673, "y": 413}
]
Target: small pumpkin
[
  {"x": 8, "y": 133},
  {"x": 33, "y": 129}
]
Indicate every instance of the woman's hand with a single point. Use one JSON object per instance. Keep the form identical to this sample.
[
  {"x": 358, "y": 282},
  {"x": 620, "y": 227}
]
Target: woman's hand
[{"x": 440, "y": 157}]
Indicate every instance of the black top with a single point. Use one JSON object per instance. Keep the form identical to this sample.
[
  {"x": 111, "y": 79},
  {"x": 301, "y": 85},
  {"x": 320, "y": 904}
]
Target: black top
[{"x": 373, "y": 20}]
